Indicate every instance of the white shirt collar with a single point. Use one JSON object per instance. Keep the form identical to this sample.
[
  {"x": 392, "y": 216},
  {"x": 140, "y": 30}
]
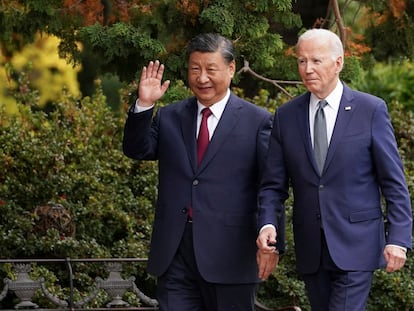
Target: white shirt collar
[
  {"x": 217, "y": 108},
  {"x": 331, "y": 110},
  {"x": 333, "y": 99}
]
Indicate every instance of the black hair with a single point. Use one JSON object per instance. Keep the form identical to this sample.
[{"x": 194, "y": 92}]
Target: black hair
[{"x": 210, "y": 43}]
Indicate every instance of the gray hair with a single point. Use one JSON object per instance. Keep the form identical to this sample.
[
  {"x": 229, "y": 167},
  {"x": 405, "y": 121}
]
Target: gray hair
[
  {"x": 324, "y": 36},
  {"x": 210, "y": 43}
]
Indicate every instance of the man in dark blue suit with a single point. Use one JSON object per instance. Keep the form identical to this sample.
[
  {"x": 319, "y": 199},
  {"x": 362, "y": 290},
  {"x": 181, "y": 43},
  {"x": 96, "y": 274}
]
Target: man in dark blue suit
[
  {"x": 338, "y": 218},
  {"x": 203, "y": 248}
]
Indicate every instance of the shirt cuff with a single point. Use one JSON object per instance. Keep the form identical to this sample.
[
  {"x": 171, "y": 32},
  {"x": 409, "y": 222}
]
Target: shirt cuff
[
  {"x": 400, "y": 247},
  {"x": 138, "y": 109},
  {"x": 267, "y": 226}
]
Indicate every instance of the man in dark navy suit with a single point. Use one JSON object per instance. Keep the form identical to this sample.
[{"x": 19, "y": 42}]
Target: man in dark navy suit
[
  {"x": 203, "y": 248},
  {"x": 341, "y": 165}
]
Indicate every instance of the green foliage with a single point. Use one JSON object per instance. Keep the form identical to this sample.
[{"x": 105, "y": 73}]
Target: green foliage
[
  {"x": 391, "y": 34},
  {"x": 248, "y": 24},
  {"x": 21, "y": 20},
  {"x": 214, "y": 18},
  {"x": 72, "y": 156},
  {"x": 399, "y": 287},
  {"x": 403, "y": 122},
  {"x": 117, "y": 47},
  {"x": 145, "y": 32},
  {"x": 393, "y": 81},
  {"x": 177, "y": 91},
  {"x": 119, "y": 40},
  {"x": 352, "y": 72}
]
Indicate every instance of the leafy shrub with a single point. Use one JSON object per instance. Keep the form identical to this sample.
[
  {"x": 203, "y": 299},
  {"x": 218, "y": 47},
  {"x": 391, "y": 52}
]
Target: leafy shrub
[
  {"x": 392, "y": 81},
  {"x": 72, "y": 156}
]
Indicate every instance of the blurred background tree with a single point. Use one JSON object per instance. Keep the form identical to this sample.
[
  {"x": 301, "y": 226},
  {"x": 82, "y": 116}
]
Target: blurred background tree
[
  {"x": 119, "y": 37},
  {"x": 112, "y": 40}
]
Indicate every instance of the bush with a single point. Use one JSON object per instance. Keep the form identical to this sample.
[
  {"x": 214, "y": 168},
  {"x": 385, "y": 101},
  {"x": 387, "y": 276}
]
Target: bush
[
  {"x": 71, "y": 156},
  {"x": 392, "y": 81}
]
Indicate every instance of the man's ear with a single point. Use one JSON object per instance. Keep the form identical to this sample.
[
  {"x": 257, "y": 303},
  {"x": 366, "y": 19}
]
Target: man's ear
[{"x": 232, "y": 68}]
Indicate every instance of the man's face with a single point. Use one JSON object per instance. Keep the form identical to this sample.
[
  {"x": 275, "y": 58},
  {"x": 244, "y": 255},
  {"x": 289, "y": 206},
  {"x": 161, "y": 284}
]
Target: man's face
[
  {"x": 317, "y": 67},
  {"x": 209, "y": 76}
]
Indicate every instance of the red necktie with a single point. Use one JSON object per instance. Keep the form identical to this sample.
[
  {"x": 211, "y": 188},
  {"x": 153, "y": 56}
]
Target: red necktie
[{"x": 203, "y": 135}]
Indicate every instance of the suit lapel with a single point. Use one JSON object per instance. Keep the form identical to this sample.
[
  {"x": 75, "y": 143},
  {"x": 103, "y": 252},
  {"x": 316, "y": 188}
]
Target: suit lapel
[
  {"x": 188, "y": 120},
  {"x": 227, "y": 122},
  {"x": 303, "y": 124},
  {"x": 346, "y": 109}
]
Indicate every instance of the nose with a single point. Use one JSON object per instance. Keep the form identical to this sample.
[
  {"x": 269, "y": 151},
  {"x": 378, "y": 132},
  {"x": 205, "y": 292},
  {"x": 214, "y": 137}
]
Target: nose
[
  {"x": 203, "y": 77},
  {"x": 308, "y": 67}
]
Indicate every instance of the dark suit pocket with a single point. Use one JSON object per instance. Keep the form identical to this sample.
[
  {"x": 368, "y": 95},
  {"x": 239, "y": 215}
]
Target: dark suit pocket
[
  {"x": 364, "y": 215},
  {"x": 356, "y": 133}
]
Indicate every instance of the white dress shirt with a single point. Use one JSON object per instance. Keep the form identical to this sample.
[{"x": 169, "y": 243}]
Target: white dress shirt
[
  {"x": 330, "y": 110},
  {"x": 216, "y": 110}
]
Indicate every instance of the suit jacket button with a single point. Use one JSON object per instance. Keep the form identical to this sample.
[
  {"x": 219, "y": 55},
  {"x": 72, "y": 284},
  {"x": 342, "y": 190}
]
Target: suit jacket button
[
  {"x": 321, "y": 187},
  {"x": 195, "y": 182},
  {"x": 184, "y": 210}
]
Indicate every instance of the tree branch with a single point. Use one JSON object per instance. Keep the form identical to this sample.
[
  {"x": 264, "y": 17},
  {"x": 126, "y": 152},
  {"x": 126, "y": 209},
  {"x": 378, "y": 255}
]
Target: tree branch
[
  {"x": 339, "y": 21},
  {"x": 246, "y": 68}
]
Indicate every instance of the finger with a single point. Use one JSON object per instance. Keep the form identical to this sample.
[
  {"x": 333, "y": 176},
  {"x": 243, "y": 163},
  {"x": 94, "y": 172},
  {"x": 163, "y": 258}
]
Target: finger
[
  {"x": 144, "y": 73},
  {"x": 260, "y": 265},
  {"x": 399, "y": 263},
  {"x": 165, "y": 86},
  {"x": 264, "y": 247},
  {"x": 395, "y": 258},
  {"x": 261, "y": 262},
  {"x": 160, "y": 72},
  {"x": 261, "y": 241},
  {"x": 264, "y": 271},
  {"x": 155, "y": 68},
  {"x": 265, "y": 237},
  {"x": 391, "y": 262},
  {"x": 395, "y": 263},
  {"x": 150, "y": 69},
  {"x": 390, "y": 266},
  {"x": 268, "y": 268}
]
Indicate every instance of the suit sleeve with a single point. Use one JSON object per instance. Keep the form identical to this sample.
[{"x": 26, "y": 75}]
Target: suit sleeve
[
  {"x": 390, "y": 172},
  {"x": 140, "y": 135},
  {"x": 274, "y": 186}
]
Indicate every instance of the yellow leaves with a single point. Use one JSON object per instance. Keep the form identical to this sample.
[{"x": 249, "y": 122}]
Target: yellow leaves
[{"x": 49, "y": 73}]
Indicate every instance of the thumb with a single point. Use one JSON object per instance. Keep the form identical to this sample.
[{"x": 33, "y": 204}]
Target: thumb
[{"x": 165, "y": 86}]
